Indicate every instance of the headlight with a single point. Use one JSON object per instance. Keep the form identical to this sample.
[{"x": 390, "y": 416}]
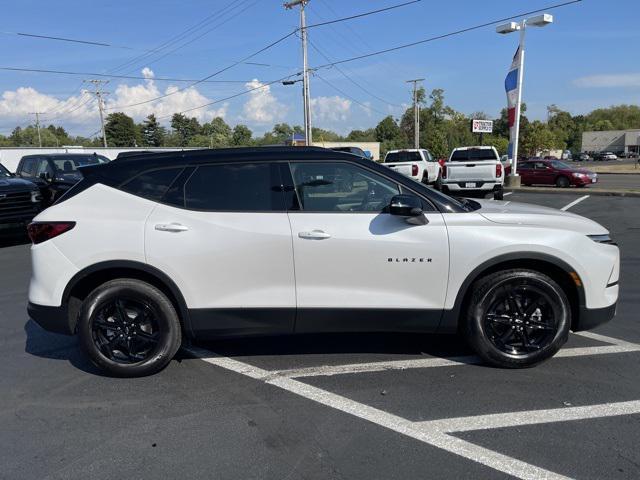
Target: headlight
[
  {"x": 605, "y": 238},
  {"x": 578, "y": 175},
  {"x": 36, "y": 196}
]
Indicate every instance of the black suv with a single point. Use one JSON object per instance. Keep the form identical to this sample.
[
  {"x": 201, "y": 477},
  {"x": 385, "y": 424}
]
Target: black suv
[
  {"x": 19, "y": 202},
  {"x": 56, "y": 173}
]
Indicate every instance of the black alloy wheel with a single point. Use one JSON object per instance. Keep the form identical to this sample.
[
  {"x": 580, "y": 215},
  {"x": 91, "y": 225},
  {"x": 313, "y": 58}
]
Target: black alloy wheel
[
  {"x": 129, "y": 328},
  {"x": 562, "y": 182},
  {"x": 521, "y": 319},
  {"x": 125, "y": 330},
  {"x": 517, "y": 318}
]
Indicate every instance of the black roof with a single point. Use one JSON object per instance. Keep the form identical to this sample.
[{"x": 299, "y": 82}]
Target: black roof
[{"x": 65, "y": 155}]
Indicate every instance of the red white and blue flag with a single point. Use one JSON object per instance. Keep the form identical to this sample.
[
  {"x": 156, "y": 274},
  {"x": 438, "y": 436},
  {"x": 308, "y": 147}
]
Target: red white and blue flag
[{"x": 511, "y": 87}]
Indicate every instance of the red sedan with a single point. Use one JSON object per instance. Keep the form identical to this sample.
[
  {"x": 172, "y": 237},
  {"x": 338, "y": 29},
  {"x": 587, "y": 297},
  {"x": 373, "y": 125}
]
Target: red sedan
[{"x": 554, "y": 172}]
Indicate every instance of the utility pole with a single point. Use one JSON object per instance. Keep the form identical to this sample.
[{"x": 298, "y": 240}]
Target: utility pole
[
  {"x": 99, "y": 93},
  {"x": 305, "y": 69},
  {"x": 37, "y": 114},
  {"x": 416, "y": 112}
]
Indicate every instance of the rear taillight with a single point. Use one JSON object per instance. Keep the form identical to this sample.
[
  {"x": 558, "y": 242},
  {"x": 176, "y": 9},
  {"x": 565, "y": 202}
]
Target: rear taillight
[
  {"x": 42, "y": 231},
  {"x": 498, "y": 170},
  {"x": 414, "y": 170},
  {"x": 444, "y": 171}
]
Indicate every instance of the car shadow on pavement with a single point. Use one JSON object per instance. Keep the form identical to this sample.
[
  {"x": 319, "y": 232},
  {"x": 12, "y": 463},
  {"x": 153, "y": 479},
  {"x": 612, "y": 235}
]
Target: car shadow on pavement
[
  {"x": 14, "y": 240},
  {"x": 41, "y": 343},
  {"x": 342, "y": 343}
]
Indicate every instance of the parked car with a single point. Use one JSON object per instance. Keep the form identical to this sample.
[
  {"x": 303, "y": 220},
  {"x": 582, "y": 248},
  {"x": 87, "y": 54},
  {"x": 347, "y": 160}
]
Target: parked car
[
  {"x": 20, "y": 201},
  {"x": 354, "y": 151},
  {"x": 555, "y": 172},
  {"x": 506, "y": 164},
  {"x": 584, "y": 157},
  {"x": 214, "y": 243},
  {"x": 417, "y": 164},
  {"x": 56, "y": 173},
  {"x": 473, "y": 170},
  {"x": 605, "y": 156}
]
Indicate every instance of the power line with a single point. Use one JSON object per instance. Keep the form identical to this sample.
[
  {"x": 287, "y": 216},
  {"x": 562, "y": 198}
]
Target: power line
[
  {"x": 281, "y": 39},
  {"x": 329, "y": 22},
  {"x": 446, "y": 35},
  {"x": 108, "y": 75},
  {"x": 342, "y": 92},
  {"x": 352, "y": 80},
  {"x": 239, "y": 94}
]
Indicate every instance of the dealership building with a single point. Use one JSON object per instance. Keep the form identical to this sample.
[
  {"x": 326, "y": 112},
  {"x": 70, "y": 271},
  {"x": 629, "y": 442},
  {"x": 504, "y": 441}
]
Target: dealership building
[{"x": 616, "y": 141}]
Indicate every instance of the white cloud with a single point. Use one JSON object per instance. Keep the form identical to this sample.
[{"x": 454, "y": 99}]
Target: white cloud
[
  {"x": 330, "y": 109},
  {"x": 262, "y": 107},
  {"x": 616, "y": 80},
  {"x": 81, "y": 113}
]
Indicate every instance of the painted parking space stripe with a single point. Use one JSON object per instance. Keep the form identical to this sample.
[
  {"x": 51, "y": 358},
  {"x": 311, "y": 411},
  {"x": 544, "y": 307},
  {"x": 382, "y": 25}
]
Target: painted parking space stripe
[
  {"x": 470, "y": 451},
  {"x": 507, "y": 193},
  {"x": 574, "y": 203},
  {"x": 616, "y": 346},
  {"x": 532, "y": 417}
]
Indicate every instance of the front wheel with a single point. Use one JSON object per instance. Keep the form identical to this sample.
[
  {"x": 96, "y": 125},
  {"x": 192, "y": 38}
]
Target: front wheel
[
  {"x": 129, "y": 328},
  {"x": 517, "y": 318},
  {"x": 562, "y": 182}
]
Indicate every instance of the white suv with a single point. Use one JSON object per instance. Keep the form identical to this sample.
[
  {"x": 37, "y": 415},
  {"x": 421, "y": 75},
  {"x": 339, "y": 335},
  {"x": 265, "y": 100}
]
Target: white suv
[{"x": 148, "y": 250}]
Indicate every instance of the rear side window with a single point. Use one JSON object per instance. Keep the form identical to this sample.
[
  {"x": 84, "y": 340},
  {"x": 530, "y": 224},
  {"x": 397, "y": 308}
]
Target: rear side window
[
  {"x": 238, "y": 187},
  {"x": 152, "y": 184},
  {"x": 473, "y": 155},
  {"x": 393, "y": 157}
]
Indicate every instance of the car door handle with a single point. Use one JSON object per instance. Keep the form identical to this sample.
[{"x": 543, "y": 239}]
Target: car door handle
[
  {"x": 171, "y": 227},
  {"x": 314, "y": 235}
]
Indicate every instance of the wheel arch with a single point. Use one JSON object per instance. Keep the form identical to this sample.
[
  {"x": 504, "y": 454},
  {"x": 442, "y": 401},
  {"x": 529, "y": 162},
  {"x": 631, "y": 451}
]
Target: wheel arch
[
  {"x": 556, "y": 268},
  {"x": 86, "y": 280}
]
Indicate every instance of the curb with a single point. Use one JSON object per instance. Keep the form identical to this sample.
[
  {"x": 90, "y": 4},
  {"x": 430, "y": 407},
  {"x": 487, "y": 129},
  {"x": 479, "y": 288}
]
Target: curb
[
  {"x": 618, "y": 173},
  {"x": 575, "y": 191}
]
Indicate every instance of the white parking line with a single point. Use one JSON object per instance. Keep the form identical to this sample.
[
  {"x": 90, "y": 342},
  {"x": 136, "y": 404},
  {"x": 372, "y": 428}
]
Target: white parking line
[
  {"x": 484, "y": 456},
  {"x": 574, "y": 203},
  {"x": 437, "y": 432},
  {"x": 532, "y": 417},
  {"x": 508, "y": 193}
]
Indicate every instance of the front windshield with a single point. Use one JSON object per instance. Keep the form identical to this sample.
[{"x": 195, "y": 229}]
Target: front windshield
[
  {"x": 4, "y": 172},
  {"x": 561, "y": 165}
]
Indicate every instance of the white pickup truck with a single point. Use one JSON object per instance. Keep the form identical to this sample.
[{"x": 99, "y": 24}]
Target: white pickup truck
[
  {"x": 473, "y": 169},
  {"x": 417, "y": 164}
]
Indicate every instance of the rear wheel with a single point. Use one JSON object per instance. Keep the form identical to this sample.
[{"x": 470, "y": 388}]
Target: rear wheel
[
  {"x": 129, "y": 328},
  {"x": 562, "y": 182},
  {"x": 517, "y": 318},
  {"x": 498, "y": 194}
]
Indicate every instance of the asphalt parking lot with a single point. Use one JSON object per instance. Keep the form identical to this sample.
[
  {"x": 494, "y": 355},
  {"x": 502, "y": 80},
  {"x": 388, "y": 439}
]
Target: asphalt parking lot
[{"x": 329, "y": 406}]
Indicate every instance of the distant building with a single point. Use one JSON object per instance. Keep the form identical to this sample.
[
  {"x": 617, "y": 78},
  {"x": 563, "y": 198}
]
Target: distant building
[{"x": 616, "y": 141}]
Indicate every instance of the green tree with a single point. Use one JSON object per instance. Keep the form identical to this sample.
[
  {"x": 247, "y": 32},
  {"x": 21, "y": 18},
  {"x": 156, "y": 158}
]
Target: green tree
[
  {"x": 218, "y": 132},
  {"x": 185, "y": 128},
  {"x": 120, "y": 130},
  {"x": 241, "y": 136},
  {"x": 536, "y": 137},
  {"x": 153, "y": 134}
]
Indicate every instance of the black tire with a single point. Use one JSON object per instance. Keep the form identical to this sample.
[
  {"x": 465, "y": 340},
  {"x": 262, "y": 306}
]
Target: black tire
[
  {"x": 438, "y": 183},
  {"x": 562, "y": 182},
  {"x": 498, "y": 194},
  {"x": 498, "y": 312},
  {"x": 129, "y": 328}
]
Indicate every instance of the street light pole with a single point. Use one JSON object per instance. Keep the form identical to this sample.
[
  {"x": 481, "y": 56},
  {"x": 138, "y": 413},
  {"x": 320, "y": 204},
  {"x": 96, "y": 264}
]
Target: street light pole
[
  {"x": 306, "y": 96},
  {"x": 537, "y": 21},
  {"x": 416, "y": 112},
  {"x": 99, "y": 93}
]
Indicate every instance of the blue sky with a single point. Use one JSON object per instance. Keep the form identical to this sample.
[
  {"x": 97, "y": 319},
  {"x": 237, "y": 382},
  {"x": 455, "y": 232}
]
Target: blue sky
[{"x": 584, "y": 60}]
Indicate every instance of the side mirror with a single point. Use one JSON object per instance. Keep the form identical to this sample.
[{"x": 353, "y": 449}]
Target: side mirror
[
  {"x": 408, "y": 206},
  {"x": 45, "y": 176}
]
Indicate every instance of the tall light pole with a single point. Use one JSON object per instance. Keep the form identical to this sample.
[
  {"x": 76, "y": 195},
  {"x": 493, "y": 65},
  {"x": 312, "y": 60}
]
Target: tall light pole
[
  {"x": 99, "y": 93},
  {"x": 537, "y": 21},
  {"x": 37, "y": 114},
  {"x": 416, "y": 112},
  {"x": 305, "y": 69}
]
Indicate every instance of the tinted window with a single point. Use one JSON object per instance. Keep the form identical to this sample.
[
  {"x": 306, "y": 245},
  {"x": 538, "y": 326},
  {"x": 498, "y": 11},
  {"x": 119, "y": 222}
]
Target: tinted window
[
  {"x": 152, "y": 184},
  {"x": 43, "y": 166},
  {"x": 239, "y": 187},
  {"x": 393, "y": 157},
  {"x": 71, "y": 163},
  {"x": 4, "y": 172},
  {"x": 560, "y": 165},
  {"x": 341, "y": 187},
  {"x": 473, "y": 155},
  {"x": 524, "y": 166}
]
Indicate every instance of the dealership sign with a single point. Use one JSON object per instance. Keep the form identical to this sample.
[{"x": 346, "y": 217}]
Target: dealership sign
[{"x": 482, "y": 126}]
